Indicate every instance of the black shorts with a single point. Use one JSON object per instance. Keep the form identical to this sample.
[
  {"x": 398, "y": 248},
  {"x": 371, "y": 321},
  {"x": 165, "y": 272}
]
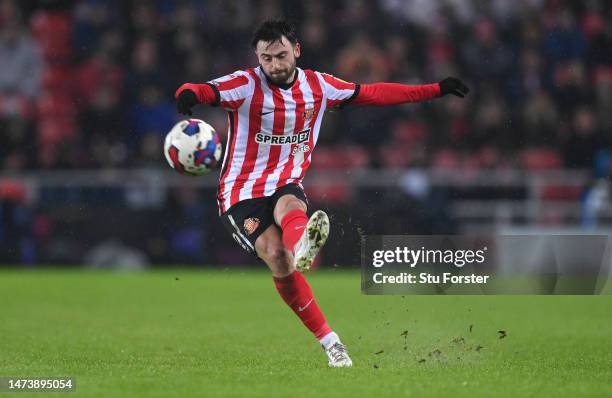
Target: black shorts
[{"x": 247, "y": 219}]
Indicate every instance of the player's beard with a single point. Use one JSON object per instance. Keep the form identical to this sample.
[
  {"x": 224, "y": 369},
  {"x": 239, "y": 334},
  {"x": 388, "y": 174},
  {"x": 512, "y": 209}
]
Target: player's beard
[{"x": 283, "y": 77}]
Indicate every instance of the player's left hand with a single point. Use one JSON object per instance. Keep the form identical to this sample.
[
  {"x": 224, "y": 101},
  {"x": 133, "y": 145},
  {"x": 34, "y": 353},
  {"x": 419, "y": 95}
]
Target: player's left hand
[
  {"x": 186, "y": 100},
  {"x": 452, "y": 85}
]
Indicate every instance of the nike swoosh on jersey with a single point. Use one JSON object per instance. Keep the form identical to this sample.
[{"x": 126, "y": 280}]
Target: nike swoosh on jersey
[{"x": 266, "y": 113}]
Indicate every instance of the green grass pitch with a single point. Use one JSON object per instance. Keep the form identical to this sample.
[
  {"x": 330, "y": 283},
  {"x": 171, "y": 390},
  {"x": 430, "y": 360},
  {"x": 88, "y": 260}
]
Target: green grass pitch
[{"x": 186, "y": 333}]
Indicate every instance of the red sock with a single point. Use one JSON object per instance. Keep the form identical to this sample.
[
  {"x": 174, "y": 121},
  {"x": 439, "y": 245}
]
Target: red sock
[
  {"x": 293, "y": 225},
  {"x": 297, "y": 294}
]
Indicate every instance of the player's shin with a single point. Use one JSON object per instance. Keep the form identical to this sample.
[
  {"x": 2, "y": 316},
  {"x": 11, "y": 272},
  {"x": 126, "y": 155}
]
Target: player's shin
[{"x": 296, "y": 292}]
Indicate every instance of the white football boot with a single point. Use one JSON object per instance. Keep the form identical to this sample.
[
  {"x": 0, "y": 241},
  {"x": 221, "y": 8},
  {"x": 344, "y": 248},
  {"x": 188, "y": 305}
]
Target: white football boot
[
  {"x": 313, "y": 238},
  {"x": 338, "y": 355}
]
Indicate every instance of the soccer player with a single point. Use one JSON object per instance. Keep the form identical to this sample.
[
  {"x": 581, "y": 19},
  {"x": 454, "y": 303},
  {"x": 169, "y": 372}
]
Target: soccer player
[{"x": 275, "y": 112}]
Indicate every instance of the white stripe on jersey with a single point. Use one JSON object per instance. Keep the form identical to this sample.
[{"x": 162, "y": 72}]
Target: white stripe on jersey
[{"x": 241, "y": 139}]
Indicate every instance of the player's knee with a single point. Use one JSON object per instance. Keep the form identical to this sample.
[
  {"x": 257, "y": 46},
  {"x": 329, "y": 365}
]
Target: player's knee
[
  {"x": 296, "y": 203},
  {"x": 277, "y": 254},
  {"x": 288, "y": 203},
  {"x": 279, "y": 260}
]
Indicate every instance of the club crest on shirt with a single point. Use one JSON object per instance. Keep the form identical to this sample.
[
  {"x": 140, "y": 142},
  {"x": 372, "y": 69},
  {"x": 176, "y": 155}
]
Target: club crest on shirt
[
  {"x": 308, "y": 114},
  {"x": 250, "y": 225}
]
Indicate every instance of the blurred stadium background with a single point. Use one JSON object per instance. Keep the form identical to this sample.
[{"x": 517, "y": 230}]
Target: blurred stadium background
[{"x": 86, "y": 97}]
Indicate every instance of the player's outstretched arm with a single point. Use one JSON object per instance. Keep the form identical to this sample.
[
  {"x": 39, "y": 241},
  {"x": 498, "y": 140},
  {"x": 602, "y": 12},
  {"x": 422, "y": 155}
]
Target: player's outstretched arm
[{"x": 396, "y": 93}]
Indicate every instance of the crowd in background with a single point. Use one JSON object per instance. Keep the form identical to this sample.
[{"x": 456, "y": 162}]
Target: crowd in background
[{"x": 90, "y": 83}]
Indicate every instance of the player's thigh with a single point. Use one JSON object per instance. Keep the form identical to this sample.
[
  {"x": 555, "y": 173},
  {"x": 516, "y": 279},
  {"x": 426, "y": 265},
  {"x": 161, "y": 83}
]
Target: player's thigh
[
  {"x": 286, "y": 199},
  {"x": 285, "y": 204},
  {"x": 247, "y": 220},
  {"x": 270, "y": 248}
]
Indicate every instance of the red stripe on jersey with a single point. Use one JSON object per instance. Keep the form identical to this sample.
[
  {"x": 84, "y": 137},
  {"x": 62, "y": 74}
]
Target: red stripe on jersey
[
  {"x": 232, "y": 104},
  {"x": 332, "y": 103},
  {"x": 300, "y": 107},
  {"x": 232, "y": 83},
  {"x": 337, "y": 83},
  {"x": 252, "y": 147},
  {"x": 278, "y": 128},
  {"x": 231, "y": 144},
  {"x": 317, "y": 94}
]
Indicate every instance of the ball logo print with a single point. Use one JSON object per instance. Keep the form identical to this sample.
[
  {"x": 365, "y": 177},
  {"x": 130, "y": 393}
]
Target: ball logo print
[
  {"x": 192, "y": 147},
  {"x": 192, "y": 127},
  {"x": 206, "y": 155}
]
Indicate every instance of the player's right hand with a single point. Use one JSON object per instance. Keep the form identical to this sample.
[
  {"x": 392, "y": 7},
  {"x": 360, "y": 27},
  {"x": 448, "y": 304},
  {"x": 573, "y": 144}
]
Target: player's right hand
[{"x": 185, "y": 101}]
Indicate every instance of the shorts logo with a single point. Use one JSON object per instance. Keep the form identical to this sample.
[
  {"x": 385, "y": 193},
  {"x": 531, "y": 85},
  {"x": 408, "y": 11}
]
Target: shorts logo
[
  {"x": 308, "y": 114},
  {"x": 269, "y": 139},
  {"x": 250, "y": 225}
]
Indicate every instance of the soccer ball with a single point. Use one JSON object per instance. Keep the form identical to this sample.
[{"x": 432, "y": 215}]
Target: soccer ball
[{"x": 192, "y": 147}]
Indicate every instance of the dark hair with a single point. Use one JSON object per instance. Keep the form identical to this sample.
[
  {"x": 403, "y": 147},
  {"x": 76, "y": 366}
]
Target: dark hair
[{"x": 274, "y": 30}]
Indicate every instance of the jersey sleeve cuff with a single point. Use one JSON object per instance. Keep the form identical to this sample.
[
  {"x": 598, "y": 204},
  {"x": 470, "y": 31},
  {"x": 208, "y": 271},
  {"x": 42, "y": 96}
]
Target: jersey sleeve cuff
[
  {"x": 352, "y": 97},
  {"x": 217, "y": 94}
]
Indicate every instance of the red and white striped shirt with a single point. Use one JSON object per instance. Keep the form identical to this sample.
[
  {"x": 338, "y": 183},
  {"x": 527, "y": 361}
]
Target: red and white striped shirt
[{"x": 272, "y": 130}]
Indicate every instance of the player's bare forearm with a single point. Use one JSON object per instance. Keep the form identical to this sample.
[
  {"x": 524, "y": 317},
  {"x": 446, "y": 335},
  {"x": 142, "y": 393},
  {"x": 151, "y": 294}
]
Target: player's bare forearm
[{"x": 396, "y": 93}]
